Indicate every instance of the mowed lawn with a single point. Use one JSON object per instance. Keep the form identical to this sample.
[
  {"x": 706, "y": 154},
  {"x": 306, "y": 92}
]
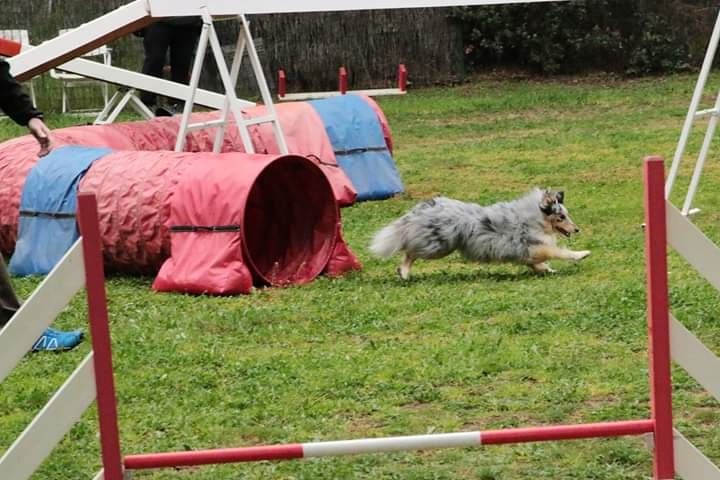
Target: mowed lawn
[{"x": 460, "y": 347}]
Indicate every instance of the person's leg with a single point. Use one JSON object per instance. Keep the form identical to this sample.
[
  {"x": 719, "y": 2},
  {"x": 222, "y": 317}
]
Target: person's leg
[
  {"x": 182, "y": 47},
  {"x": 155, "y": 42},
  {"x": 8, "y": 300}
]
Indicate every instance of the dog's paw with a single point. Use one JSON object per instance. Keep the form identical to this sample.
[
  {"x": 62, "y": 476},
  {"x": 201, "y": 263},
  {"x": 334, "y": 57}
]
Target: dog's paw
[
  {"x": 543, "y": 268},
  {"x": 402, "y": 274},
  {"x": 581, "y": 254}
]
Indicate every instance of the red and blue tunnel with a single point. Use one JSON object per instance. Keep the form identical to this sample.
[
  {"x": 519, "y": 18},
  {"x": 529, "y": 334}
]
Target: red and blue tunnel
[{"x": 208, "y": 223}]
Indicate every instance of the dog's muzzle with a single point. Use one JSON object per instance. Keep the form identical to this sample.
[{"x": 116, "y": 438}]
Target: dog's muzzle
[{"x": 567, "y": 233}]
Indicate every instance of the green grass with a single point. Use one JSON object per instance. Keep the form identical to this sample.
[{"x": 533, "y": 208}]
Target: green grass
[{"x": 460, "y": 347}]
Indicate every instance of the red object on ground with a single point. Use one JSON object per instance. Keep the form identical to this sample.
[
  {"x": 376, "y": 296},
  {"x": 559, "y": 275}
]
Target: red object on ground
[
  {"x": 212, "y": 457},
  {"x": 134, "y": 190},
  {"x": 342, "y": 259},
  {"x": 402, "y": 77},
  {"x": 658, "y": 317},
  {"x": 9, "y": 48},
  {"x": 343, "y": 80},
  {"x": 566, "y": 432},
  {"x": 100, "y": 333},
  {"x": 282, "y": 83},
  {"x": 240, "y": 219}
]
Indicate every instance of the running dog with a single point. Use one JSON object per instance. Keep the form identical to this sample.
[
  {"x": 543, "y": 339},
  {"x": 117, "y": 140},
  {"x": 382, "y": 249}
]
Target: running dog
[{"x": 522, "y": 231}]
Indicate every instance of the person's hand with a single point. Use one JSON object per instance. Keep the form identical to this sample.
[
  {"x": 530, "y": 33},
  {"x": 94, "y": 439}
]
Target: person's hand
[{"x": 42, "y": 134}]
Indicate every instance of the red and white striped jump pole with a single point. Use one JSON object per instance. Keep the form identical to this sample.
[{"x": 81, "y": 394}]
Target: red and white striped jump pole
[{"x": 388, "y": 444}]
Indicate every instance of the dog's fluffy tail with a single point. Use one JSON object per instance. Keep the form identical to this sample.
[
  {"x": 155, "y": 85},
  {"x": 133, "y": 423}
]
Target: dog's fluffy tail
[{"x": 386, "y": 242}]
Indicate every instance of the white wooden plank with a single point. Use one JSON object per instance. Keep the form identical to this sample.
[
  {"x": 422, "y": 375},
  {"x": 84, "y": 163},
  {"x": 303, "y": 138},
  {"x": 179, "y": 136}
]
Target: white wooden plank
[
  {"x": 169, "y": 8},
  {"x": 314, "y": 95},
  {"x": 82, "y": 39},
  {"x": 689, "y": 352},
  {"x": 139, "y": 81},
  {"x": 100, "y": 475},
  {"x": 40, "y": 310},
  {"x": 50, "y": 425},
  {"x": 690, "y": 463},
  {"x": 693, "y": 245}
]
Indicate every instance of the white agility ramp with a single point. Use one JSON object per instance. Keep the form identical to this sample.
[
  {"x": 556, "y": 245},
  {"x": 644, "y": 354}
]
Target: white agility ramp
[{"x": 167, "y": 8}]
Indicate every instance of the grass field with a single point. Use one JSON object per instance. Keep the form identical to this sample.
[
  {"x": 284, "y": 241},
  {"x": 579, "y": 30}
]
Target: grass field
[{"x": 460, "y": 347}]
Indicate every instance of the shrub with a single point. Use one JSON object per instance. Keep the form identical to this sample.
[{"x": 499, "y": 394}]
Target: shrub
[{"x": 631, "y": 37}]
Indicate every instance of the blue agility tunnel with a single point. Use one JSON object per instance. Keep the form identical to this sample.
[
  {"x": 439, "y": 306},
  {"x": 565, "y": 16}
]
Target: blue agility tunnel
[
  {"x": 47, "y": 209},
  {"x": 360, "y": 147}
]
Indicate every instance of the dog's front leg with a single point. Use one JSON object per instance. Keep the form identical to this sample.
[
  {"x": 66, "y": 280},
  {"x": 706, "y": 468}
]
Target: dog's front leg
[
  {"x": 542, "y": 267},
  {"x": 543, "y": 253}
]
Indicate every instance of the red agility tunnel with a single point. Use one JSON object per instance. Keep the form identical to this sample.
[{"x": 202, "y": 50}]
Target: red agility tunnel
[
  {"x": 262, "y": 219},
  {"x": 223, "y": 221}
]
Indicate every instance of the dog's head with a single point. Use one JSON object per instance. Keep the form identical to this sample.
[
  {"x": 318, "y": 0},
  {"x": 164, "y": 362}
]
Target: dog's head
[{"x": 556, "y": 215}]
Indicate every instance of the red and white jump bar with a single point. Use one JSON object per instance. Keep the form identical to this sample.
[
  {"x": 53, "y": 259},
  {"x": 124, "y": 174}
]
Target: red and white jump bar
[
  {"x": 388, "y": 444},
  {"x": 402, "y": 81}
]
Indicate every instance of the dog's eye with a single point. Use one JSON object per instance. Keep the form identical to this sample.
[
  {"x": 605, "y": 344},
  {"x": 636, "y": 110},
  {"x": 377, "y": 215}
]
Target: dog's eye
[{"x": 562, "y": 217}]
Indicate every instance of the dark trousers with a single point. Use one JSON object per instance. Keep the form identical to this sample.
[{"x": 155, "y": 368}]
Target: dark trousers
[
  {"x": 9, "y": 303},
  {"x": 180, "y": 40}
]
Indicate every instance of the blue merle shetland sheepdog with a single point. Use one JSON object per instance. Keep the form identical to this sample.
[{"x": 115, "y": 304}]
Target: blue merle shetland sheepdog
[{"x": 522, "y": 231}]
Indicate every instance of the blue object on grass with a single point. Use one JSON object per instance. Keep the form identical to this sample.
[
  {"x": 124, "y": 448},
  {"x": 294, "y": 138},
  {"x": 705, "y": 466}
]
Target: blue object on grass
[
  {"x": 56, "y": 340},
  {"x": 47, "y": 209},
  {"x": 357, "y": 138}
]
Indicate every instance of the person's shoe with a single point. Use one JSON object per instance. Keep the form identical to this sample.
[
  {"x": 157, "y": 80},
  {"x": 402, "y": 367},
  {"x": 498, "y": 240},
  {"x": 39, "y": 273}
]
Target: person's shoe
[{"x": 55, "y": 340}]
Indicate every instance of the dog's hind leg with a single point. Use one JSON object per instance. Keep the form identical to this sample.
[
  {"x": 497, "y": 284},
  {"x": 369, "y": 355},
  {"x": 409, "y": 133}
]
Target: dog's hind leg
[{"x": 404, "y": 268}]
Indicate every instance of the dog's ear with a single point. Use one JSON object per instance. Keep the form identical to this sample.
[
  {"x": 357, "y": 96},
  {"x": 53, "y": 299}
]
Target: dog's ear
[
  {"x": 560, "y": 196},
  {"x": 546, "y": 203}
]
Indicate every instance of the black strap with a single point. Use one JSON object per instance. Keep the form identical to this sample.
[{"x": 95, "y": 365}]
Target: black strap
[
  {"x": 360, "y": 150},
  {"x": 321, "y": 161},
  {"x": 31, "y": 213},
  {"x": 202, "y": 228}
]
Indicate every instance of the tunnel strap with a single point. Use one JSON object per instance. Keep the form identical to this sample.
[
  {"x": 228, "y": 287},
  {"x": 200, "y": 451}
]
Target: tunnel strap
[
  {"x": 32, "y": 213},
  {"x": 320, "y": 161},
  {"x": 352, "y": 151},
  {"x": 204, "y": 228}
]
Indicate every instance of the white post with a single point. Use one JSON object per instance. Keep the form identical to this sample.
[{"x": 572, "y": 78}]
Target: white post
[
  {"x": 234, "y": 73},
  {"x": 103, "y": 115},
  {"x": 194, "y": 80},
  {"x": 229, "y": 86},
  {"x": 694, "y": 104},
  {"x": 700, "y": 163},
  {"x": 264, "y": 90}
]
